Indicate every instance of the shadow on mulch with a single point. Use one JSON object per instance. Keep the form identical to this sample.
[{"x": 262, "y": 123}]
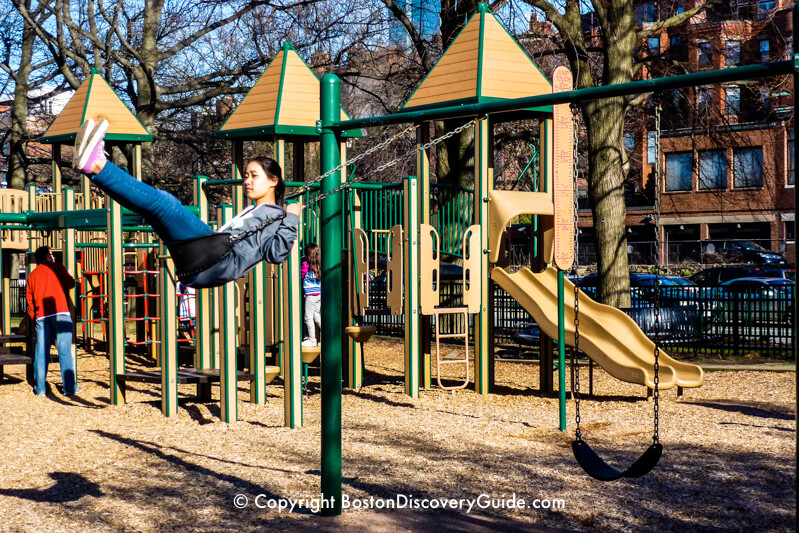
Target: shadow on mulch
[
  {"x": 158, "y": 452},
  {"x": 758, "y": 409},
  {"x": 68, "y": 487}
]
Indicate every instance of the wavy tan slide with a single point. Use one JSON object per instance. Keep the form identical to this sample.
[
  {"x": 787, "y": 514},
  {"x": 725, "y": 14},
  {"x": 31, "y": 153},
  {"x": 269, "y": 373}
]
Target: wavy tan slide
[{"x": 607, "y": 335}]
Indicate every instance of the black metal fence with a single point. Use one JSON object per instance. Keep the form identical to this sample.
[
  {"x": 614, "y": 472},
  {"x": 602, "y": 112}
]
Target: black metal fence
[
  {"x": 17, "y": 294},
  {"x": 726, "y": 323},
  {"x": 721, "y": 322}
]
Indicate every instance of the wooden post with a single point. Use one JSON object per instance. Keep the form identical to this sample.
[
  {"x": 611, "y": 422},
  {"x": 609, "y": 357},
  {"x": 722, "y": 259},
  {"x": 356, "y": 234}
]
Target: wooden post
[
  {"x": 484, "y": 182},
  {"x": 423, "y": 175},
  {"x": 228, "y": 371},
  {"x": 411, "y": 284},
  {"x": 168, "y": 333}
]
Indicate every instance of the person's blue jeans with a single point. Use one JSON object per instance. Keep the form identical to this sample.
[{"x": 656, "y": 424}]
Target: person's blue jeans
[
  {"x": 167, "y": 216},
  {"x": 58, "y": 329}
]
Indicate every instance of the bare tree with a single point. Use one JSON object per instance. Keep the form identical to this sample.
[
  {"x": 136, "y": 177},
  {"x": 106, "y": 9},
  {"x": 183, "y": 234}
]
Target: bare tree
[
  {"x": 25, "y": 77},
  {"x": 165, "y": 56}
]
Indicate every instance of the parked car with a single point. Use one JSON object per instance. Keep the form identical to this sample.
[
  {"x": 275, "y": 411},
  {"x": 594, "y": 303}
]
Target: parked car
[
  {"x": 740, "y": 252},
  {"x": 757, "y": 302},
  {"x": 713, "y": 277},
  {"x": 677, "y": 290}
]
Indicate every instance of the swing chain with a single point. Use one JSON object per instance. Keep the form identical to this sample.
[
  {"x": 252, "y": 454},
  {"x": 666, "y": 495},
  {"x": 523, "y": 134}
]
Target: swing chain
[
  {"x": 355, "y": 159},
  {"x": 576, "y": 348},
  {"x": 256, "y": 229},
  {"x": 384, "y": 166},
  {"x": 656, "y": 393}
]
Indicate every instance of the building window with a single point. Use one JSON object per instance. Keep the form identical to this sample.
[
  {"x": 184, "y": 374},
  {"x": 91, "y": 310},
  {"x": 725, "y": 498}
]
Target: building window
[
  {"x": 765, "y": 98},
  {"x": 764, "y": 8},
  {"x": 747, "y": 166},
  {"x": 705, "y": 54},
  {"x": 704, "y": 99},
  {"x": 764, "y": 50},
  {"x": 791, "y": 162},
  {"x": 645, "y": 13},
  {"x": 732, "y": 53},
  {"x": 678, "y": 171},
  {"x": 653, "y": 46},
  {"x": 732, "y": 100},
  {"x": 651, "y": 147},
  {"x": 713, "y": 169},
  {"x": 629, "y": 141}
]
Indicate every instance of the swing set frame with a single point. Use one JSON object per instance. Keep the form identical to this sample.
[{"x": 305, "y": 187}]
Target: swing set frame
[{"x": 331, "y": 127}]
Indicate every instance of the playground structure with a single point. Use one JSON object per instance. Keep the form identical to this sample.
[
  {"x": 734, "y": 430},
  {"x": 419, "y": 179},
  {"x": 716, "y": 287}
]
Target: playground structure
[
  {"x": 464, "y": 83},
  {"x": 271, "y": 111}
]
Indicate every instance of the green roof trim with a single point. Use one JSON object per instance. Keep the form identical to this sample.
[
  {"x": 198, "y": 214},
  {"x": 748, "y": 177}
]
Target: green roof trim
[
  {"x": 123, "y": 137},
  {"x": 286, "y": 48},
  {"x": 261, "y": 132},
  {"x": 92, "y": 72},
  {"x": 481, "y": 10}
]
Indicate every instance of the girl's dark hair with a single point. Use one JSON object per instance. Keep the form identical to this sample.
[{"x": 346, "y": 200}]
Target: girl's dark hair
[
  {"x": 313, "y": 256},
  {"x": 272, "y": 169}
]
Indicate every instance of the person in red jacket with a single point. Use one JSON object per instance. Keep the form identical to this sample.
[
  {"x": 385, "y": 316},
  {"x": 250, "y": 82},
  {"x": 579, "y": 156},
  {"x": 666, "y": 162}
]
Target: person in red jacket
[{"x": 49, "y": 309}]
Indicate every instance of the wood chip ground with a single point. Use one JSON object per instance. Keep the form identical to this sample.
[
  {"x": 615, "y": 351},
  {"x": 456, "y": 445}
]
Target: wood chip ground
[{"x": 79, "y": 464}]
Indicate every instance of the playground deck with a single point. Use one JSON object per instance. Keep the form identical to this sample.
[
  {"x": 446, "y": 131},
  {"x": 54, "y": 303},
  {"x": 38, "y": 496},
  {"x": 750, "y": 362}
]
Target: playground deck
[{"x": 82, "y": 465}]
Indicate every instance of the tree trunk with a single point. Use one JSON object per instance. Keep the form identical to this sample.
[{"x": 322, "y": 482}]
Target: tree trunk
[
  {"x": 605, "y": 123},
  {"x": 605, "y": 126},
  {"x": 19, "y": 113}
]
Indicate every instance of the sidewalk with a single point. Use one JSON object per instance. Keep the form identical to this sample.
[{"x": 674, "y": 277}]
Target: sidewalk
[{"x": 713, "y": 366}]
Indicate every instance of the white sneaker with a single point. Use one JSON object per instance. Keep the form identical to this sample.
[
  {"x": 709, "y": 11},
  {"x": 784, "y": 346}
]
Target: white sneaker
[
  {"x": 89, "y": 145},
  {"x": 308, "y": 343}
]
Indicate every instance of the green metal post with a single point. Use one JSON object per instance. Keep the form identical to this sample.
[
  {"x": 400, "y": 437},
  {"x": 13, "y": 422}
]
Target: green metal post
[
  {"x": 795, "y": 43},
  {"x": 68, "y": 247},
  {"x": 561, "y": 351},
  {"x": 332, "y": 328}
]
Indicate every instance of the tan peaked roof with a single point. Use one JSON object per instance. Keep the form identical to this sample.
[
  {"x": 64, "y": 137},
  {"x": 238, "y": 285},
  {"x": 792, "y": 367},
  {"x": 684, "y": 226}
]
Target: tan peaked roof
[
  {"x": 483, "y": 62},
  {"x": 96, "y": 100},
  {"x": 284, "y": 100}
]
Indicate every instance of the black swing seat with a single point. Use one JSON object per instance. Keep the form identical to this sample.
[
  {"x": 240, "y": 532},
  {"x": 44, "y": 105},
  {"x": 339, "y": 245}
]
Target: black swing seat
[
  {"x": 192, "y": 256},
  {"x": 597, "y": 468}
]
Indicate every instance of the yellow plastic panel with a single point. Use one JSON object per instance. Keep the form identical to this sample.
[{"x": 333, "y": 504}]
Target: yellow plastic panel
[
  {"x": 394, "y": 271},
  {"x": 471, "y": 269},
  {"x": 429, "y": 268}
]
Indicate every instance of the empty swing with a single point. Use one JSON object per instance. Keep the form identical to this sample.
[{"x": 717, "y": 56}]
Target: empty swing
[{"x": 593, "y": 464}]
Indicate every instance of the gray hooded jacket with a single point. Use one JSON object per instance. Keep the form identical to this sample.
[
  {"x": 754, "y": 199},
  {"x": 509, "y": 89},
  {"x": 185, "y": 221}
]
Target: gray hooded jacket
[{"x": 272, "y": 244}]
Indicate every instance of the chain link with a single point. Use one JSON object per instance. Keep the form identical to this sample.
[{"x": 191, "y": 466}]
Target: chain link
[
  {"x": 384, "y": 166},
  {"x": 576, "y": 349},
  {"x": 656, "y": 394},
  {"x": 370, "y": 151}
]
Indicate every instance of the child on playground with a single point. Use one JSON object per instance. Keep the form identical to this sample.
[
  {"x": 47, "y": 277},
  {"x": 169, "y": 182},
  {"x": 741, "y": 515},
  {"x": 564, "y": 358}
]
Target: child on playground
[
  {"x": 264, "y": 231},
  {"x": 312, "y": 289}
]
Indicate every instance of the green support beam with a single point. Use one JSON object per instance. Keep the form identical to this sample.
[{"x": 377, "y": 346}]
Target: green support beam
[
  {"x": 708, "y": 77},
  {"x": 332, "y": 279}
]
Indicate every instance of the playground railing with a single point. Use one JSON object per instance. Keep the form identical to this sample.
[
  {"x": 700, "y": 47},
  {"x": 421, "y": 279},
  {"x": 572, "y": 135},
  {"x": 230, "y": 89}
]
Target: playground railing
[
  {"x": 453, "y": 213},
  {"x": 740, "y": 323}
]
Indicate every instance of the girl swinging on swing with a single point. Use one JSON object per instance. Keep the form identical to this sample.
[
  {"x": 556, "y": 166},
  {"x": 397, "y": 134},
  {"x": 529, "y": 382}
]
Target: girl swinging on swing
[{"x": 204, "y": 258}]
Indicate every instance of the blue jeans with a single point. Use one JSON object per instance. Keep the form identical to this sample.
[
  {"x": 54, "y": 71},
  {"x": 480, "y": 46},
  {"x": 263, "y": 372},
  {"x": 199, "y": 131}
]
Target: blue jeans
[
  {"x": 167, "y": 216},
  {"x": 56, "y": 328}
]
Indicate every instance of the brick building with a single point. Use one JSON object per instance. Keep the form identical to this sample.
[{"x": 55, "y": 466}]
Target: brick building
[{"x": 726, "y": 150}]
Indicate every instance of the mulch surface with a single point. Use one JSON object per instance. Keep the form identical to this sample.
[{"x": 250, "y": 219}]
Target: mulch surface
[{"x": 80, "y": 464}]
